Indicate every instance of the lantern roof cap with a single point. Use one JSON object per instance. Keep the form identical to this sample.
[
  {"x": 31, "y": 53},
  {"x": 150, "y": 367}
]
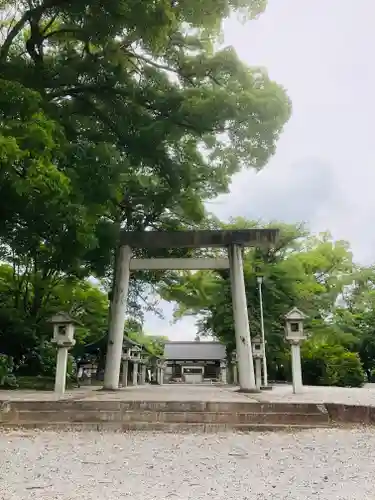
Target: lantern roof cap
[
  {"x": 295, "y": 315},
  {"x": 63, "y": 318}
]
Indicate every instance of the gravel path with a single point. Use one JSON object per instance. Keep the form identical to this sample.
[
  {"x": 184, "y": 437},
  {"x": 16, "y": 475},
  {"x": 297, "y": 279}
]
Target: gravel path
[{"x": 320, "y": 464}]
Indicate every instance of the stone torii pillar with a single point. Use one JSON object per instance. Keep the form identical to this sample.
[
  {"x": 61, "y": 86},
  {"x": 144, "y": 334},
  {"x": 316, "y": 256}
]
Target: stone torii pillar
[
  {"x": 241, "y": 321},
  {"x": 117, "y": 319}
]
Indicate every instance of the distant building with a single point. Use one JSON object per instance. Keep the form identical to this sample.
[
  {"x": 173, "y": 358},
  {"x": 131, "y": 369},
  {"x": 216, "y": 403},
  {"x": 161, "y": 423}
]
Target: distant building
[{"x": 195, "y": 362}]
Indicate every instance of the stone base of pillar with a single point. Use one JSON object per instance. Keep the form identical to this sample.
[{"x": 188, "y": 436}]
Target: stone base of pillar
[
  {"x": 266, "y": 388},
  {"x": 249, "y": 391}
]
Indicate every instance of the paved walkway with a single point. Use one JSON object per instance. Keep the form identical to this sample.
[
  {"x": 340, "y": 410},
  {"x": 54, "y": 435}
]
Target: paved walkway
[
  {"x": 363, "y": 396},
  {"x": 341, "y": 395},
  {"x": 139, "y": 393}
]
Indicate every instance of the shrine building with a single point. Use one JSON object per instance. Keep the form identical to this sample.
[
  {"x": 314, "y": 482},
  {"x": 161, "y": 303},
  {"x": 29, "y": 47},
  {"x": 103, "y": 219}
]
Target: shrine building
[{"x": 195, "y": 362}]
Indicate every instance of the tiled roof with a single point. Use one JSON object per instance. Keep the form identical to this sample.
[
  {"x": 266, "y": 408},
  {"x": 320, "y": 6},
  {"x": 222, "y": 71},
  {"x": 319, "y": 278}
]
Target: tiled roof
[{"x": 194, "y": 351}]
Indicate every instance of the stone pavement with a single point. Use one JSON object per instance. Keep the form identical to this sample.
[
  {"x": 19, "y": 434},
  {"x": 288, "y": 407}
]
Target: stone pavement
[
  {"x": 138, "y": 393},
  {"x": 280, "y": 393},
  {"x": 340, "y": 395}
]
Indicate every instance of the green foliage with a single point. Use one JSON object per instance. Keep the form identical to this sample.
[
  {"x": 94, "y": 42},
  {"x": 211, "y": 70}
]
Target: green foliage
[
  {"x": 40, "y": 383},
  {"x": 113, "y": 115},
  {"x": 26, "y": 338},
  {"x": 154, "y": 345},
  {"x": 326, "y": 364},
  {"x": 4, "y": 367},
  {"x": 367, "y": 355},
  {"x": 7, "y": 377}
]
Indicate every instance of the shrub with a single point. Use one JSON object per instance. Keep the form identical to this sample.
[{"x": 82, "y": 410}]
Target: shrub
[
  {"x": 7, "y": 378},
  {"x": 42, "y": 363},
  {"x": 332, "y": 365},
  {"x": 348, "y": 371},
  {"x": 3, "y": 368}
]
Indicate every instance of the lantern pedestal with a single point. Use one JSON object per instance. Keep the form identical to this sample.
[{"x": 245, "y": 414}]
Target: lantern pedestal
[
  {"x": 257, "y": 348},
  {"x": 223, "y": 372},
  {"x": 61, "y": 369},
  {"x": 62, "y": 366},
  {"x": 258, "y": 373},
  {"x": 296, "y": 368}
]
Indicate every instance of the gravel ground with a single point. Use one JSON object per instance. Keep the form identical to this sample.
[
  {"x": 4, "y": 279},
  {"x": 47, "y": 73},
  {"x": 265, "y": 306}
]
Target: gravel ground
[{"x": 319, "y": 464}]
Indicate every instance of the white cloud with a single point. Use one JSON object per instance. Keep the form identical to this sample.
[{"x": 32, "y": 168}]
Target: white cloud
[{"x": 323, "y": 171}]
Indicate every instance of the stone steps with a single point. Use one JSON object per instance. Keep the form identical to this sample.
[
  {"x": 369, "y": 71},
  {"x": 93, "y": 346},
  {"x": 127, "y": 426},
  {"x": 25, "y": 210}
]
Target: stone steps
[
  {"x": 158, "y": 427},
  {"x": 167, "y": 416},
  {"x": 139, "y": 416},
  {"x": 170, "y": 406}
]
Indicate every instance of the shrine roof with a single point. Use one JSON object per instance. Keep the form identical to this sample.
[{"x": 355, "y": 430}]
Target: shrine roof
[{"x": 204, "y": 351}]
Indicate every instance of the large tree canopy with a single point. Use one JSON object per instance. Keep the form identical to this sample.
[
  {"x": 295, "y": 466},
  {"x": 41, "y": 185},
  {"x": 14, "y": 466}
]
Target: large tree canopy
[
  {"x": 117, "y": 115},
  {"x": 153, "y": 117},
  {"x": 121, "y": 114}
]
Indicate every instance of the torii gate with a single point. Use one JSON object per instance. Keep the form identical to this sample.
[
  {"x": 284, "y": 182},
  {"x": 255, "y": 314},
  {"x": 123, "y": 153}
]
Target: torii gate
[{"x": 234, "y": 240}]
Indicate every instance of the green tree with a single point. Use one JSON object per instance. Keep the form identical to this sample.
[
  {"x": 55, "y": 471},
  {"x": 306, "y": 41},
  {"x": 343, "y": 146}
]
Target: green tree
[
  {"x": 28, "y": 343},
  {"x": 118, "y": 115},
  {"x": 355, "y": 315}
]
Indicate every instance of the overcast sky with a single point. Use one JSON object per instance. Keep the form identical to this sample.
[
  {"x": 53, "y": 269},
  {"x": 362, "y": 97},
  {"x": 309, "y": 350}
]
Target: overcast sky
[{"x": 323, "y": 173}]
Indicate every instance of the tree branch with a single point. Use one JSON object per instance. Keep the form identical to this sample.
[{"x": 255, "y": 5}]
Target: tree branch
[
  {"x": 17, "y": 28},
  {"x": 27, "y": 16}
]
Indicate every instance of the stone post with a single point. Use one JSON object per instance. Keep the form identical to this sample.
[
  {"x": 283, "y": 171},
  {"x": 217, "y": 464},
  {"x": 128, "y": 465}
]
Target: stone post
[
  {"x": 258, "y": 373},
  {"x": 241, "y": 321},
  {"x": 235, "y": 373},
  {"x": 61, "y": 369},
  {"x": 125, "y": 369},
  {"x": 117, "y": 319},
  {"x": 296, "y": 367},
  {"x": 143, "y": 373},
  {"x": 223, "y": 372},
  {"x": 135, "y": 373}
]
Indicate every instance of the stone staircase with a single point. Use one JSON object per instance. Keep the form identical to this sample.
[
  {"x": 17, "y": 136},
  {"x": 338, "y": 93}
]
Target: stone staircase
[{"x": 168, "y": 416}]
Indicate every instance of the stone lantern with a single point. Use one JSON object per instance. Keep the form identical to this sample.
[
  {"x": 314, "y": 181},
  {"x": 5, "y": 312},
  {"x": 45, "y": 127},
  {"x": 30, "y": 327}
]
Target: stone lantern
[
  {"x": 258, "y": 353},
  {"x": 135, "y": 357},
  {"x": 295, "y": 336},
  {"x": 63, "y": 338}
]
